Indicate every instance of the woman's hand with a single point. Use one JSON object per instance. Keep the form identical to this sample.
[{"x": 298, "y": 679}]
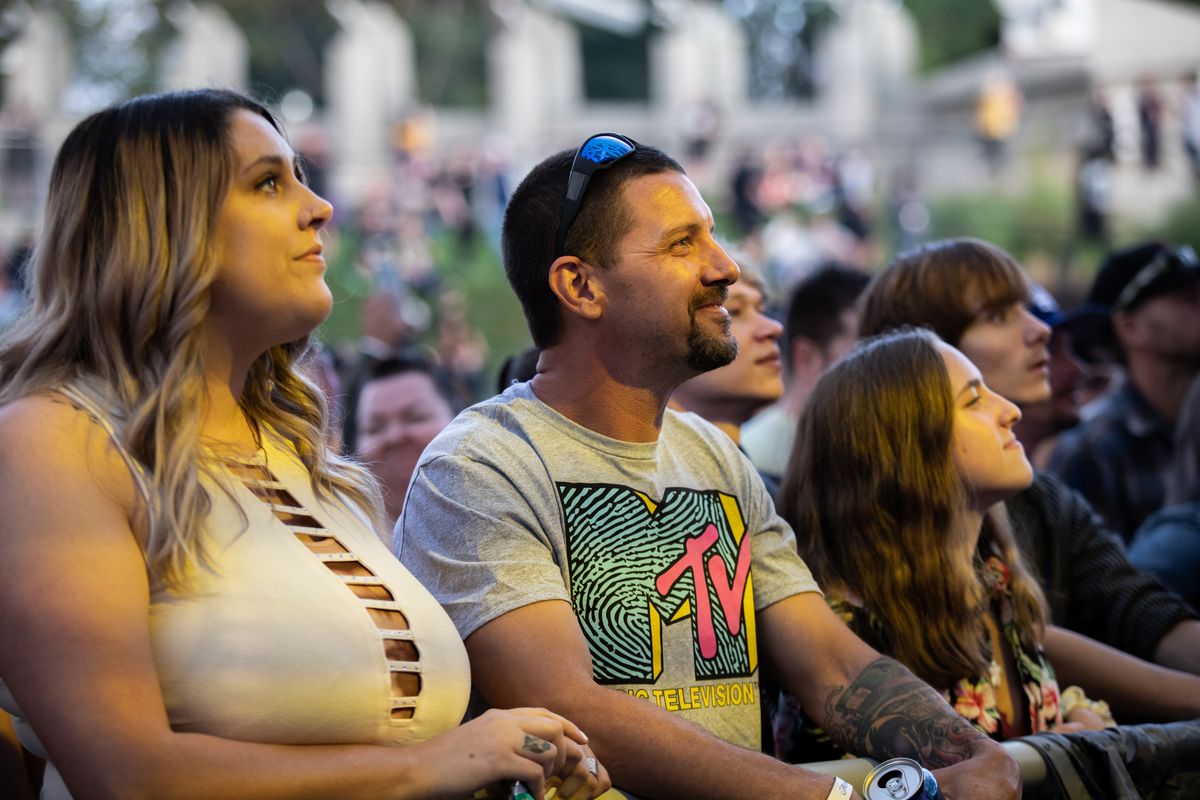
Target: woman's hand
[
  {"x": 585, "y": 779},
  {"x": 533, "y": 745},
  {"x": 1080, "y": 719}
]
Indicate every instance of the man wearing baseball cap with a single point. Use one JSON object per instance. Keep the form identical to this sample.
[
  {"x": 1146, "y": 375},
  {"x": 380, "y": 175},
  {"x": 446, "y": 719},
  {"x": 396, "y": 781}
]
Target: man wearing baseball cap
[{"x": 1151, "y": 294}]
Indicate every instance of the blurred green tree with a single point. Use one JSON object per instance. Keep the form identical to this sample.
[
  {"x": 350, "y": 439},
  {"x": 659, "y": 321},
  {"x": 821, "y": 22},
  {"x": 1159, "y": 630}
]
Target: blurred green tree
[
  {"x": 451, "y": 39},
  {"x": 286, "y": 42},
  {"x": 949, "y": 30}
]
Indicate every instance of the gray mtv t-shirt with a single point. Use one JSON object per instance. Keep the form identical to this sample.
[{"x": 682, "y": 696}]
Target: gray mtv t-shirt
[{"x": 664, "y": 549}]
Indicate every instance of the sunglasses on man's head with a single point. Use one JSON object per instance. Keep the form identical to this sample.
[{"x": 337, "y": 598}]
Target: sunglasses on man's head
[{"x": 598, "y": 152}]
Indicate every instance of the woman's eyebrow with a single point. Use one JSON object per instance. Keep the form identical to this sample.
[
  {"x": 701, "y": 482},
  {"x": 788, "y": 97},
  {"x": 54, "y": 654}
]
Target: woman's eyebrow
[
  {"x": 974, "y": 383},
  {"x": 272, "y": 159}
]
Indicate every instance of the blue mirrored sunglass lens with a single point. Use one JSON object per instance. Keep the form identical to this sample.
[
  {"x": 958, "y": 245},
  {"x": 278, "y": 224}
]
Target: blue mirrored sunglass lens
[{"x": 603, "y": 149}]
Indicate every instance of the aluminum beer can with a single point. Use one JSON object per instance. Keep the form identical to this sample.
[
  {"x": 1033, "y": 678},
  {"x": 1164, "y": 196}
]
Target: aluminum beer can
[{"x": 900, "y": 779}]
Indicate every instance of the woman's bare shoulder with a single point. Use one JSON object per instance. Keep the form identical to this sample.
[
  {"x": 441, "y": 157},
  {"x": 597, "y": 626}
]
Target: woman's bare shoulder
[
  {"x": 46, "y": 422},
  {"x": 48, "y": 444}
]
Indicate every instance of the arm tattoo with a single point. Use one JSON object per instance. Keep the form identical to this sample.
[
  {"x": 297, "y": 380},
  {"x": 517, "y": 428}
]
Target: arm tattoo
[
  {"x": 887, "y": 712},
  {"x": 535, "y": 744}
]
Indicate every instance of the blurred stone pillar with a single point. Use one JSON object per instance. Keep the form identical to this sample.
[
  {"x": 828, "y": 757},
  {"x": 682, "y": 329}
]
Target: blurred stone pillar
[
  {"x": 866, "y": 62},
  {"x": 370, "y": 85},
  {"x": 700, "y": 58},
  {"x": 1047, "y": 28},
  {"x": 535, "y": 75},
  {"x": 209, "y": 51},
  {"x": 37, "y": 66}
]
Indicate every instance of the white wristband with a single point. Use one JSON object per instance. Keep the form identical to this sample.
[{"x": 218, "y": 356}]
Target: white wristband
[{"x": 840, "y": 790}]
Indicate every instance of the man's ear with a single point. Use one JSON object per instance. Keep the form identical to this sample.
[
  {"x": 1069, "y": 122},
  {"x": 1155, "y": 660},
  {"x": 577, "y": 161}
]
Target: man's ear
[
  {"x": 577, "y": 286},
  {"x": 1128, "y": 328}
]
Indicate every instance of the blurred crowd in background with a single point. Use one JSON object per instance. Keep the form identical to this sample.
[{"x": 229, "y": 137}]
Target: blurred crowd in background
[{"x": 414, "y": 260}]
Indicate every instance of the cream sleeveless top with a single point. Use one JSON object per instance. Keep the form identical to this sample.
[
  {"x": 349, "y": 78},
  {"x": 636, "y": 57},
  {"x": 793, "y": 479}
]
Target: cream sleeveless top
[{"x": 272, "y": 644}]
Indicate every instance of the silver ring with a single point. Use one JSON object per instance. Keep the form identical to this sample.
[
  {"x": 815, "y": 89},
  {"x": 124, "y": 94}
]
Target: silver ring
[{"x": 591, "y": 765}]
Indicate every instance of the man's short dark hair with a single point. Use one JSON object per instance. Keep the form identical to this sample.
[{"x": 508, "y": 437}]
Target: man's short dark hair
[
  {"x": 818, "y": 302},
  {"x": 413, "y": 362},
  {"x": 531, "y": 224}
]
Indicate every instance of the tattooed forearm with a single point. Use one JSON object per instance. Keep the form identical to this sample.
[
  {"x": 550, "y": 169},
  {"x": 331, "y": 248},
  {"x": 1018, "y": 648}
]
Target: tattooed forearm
[{"x": 887, "y": 711}]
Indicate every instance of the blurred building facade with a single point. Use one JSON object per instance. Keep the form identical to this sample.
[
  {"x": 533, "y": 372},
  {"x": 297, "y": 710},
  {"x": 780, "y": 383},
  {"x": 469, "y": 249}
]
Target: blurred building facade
[{"x": 1061, "y": 55}]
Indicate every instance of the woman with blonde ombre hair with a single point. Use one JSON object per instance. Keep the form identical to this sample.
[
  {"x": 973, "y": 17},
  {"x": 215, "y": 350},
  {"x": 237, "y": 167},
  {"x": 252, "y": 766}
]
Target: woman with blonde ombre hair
[
  {"x": 194, "y": 595},
  {"x": 902, "y": 459}
]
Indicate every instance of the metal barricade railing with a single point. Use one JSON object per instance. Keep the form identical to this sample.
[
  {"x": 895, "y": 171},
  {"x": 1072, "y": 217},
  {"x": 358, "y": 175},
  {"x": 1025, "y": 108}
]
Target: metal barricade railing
[{"x": 854, "y": 770}]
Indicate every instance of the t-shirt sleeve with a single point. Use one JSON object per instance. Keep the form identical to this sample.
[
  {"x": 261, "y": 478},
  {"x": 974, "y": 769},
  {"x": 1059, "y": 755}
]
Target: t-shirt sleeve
[
  {"x": 779, "y": 571},
  {"x": 476, "y": 542}
]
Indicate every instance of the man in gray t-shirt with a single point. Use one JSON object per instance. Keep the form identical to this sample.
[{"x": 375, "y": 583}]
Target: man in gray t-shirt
[
  {"x": 650, "y": 542},
  {"x": 621, "y": 564}
]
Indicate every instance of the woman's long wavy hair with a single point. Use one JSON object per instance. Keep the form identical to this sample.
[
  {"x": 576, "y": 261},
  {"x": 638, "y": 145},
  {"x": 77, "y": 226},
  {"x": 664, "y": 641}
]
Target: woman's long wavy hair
[
  {"x": 121, "y": 281},
  {"x": 874, "y": 496}
]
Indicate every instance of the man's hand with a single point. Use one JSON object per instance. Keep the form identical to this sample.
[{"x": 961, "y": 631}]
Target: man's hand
[
  {"x": 874, "y": 707},
  {"x": 990, "y": 774},
  {"x": 537, "y": 654}
]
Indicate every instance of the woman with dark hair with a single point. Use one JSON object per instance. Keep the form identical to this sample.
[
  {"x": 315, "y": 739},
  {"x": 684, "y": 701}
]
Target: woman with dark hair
[
  {"x": 902, "y": 458},
  {"x": 975, "y": 297},
  {"x": 1168, "y": 543},
  {"x": 194, "y": 600}
]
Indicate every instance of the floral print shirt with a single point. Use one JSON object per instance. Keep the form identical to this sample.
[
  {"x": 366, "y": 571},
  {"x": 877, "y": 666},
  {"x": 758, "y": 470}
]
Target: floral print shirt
[
  {"x": 975, "y": 698},
  {"x": 798, "y": 739}
]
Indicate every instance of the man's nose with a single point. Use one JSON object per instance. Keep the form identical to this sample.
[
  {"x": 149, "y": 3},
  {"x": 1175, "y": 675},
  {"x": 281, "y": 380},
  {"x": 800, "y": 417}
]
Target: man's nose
[
  {"x": 1035, "y": 329},
  {"x": 770, "y": 328},
  {"x": 721, "y": 270},
  {"x": 1010, "y": 412}
]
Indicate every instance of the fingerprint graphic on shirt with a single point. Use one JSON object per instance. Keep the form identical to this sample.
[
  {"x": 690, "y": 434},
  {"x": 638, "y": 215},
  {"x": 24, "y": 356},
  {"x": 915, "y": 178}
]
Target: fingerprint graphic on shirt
[{"x": 637, "y": 566}]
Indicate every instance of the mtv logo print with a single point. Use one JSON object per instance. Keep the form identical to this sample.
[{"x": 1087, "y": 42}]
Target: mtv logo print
[{"x": 637, "y": 566}]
